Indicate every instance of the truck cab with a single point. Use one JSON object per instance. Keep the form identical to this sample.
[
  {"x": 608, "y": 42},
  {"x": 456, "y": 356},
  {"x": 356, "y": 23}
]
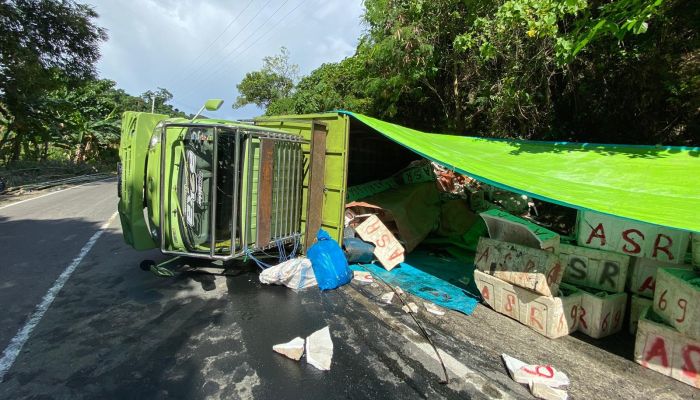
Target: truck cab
[{"x": 208, "y": 188}]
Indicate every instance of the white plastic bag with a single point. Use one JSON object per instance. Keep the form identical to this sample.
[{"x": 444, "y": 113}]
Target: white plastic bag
[{"x": 296, "y": 274}]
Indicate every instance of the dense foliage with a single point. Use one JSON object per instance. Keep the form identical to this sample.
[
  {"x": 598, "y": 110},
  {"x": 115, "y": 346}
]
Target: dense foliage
[
  {"x": 51, "y": 104},
  {"x": 625, "y": 71}
]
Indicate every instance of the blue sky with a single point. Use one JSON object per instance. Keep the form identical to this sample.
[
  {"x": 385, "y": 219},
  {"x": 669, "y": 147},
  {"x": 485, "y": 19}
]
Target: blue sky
[{"x": 166, "y": 43}]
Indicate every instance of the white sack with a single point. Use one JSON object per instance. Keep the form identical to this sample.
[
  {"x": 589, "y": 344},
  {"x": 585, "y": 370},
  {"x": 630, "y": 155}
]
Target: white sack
[{"x": 296, "y": 274}]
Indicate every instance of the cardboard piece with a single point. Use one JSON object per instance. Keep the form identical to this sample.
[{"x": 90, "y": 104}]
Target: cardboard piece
[
  {"x": 550, "y": 316},
  {"x": 601, "y": 314},
  {"x": 677, "y": 299},
  {"x": 533, "y": 269},
  {"x": 319, "y": 349},
  {"x": 532, "y": 373},
  {"x": 509, "y": 228},
  {"x": 605, "y": 232},
  {"x": 637, "y": 305},
  {"x": 663, "y": 349},
  {"x": 410, "y": 212},
  {"x": 642, "y": 275},
  {"x": 593, "y": 268},
  {"x": 293, "y": 349},
  {"x": 387, "y": 249}
]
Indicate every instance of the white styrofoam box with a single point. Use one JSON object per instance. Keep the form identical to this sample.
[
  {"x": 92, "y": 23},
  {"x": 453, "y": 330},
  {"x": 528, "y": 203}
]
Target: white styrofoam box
[
  {"x": 637, "y": 305},
  {"x": 533, "y": 269},
  {"x": 593, "y": 268},
  {"x": 601, "y": 314},
  {"x": 642, "y": 275},
  {"x": 677, "y": 299},
  {"x": 509, "y": 228},
  {"x": 605, "y": 232},
  {"x": 551, "y": 316},
  {"x": 662, "y": 348}
]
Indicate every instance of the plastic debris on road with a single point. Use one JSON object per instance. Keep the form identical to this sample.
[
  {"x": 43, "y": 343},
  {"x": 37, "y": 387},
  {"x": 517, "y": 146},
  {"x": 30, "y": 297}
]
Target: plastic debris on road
[
  {"x": 362, "y": 276},
  {"x": 529, "y": 374},
  {"x": 319, "y": 349},
  {"x": 296, "y": 274},
  {"x": 433, "y": 309},
  {"x": 410, "y": 307},
  {"x": 387, "y": 297},
  {"x": 542, "y": 391},
  {"x": 293, "y": 349},
  {"x": 328, "y": 262}
]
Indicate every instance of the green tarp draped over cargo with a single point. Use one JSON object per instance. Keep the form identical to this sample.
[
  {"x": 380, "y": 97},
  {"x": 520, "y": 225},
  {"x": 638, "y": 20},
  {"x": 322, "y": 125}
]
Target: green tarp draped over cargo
[{"x": 655, "y": 184}]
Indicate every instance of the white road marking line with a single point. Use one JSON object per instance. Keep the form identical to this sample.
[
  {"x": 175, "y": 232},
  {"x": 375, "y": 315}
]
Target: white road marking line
[
  {"x": 13, "y": 349},
  {"x": 50, "y": 193}
]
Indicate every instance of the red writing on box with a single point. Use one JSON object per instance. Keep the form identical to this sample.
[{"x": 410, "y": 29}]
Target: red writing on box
[
  {"x": 387, "y": 249},
  {"x": 600, "y": 231}
]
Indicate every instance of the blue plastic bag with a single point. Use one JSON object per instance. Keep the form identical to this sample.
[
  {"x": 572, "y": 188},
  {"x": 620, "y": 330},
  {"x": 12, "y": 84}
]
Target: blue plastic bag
[{"x": 328, "y": 262}]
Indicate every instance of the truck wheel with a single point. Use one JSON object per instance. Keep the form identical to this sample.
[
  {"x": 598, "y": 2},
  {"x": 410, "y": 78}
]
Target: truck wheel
[{"x": 146, "y": 265}]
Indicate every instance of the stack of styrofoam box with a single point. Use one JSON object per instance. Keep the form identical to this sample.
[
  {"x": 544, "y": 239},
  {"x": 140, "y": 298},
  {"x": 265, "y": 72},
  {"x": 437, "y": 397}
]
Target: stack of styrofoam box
[
  {"x": 668, "y": 333},
  {"x": 650, "y": 247},
  {"x": 518, "y": 273},
  {"x": 600, "y": 276}
]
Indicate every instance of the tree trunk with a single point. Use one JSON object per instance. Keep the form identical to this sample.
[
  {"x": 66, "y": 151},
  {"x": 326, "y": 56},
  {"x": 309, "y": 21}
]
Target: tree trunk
[
  {"x": 16, "y": 149},
  {"x": 458, "y": 120}
]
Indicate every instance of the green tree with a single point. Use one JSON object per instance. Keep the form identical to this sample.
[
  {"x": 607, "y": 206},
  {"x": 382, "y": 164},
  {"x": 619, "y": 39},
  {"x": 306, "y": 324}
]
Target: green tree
[
  {"x": 332, "y": 86},
  {"x": 44, "y": 45},
  {"x": 273, "y": 82}
]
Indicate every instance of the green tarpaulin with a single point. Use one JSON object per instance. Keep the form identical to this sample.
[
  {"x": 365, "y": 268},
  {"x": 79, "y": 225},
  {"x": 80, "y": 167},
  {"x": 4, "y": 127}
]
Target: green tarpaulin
[{"x": 655, "y": 184}]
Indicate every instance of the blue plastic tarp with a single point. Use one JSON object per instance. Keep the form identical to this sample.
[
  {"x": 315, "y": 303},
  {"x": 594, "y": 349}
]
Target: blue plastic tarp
[{"x": 424, "y": 285}]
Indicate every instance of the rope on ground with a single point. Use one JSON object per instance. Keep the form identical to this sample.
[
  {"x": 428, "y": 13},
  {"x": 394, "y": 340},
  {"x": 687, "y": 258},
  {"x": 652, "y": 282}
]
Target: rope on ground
[{"x": 418, "y": 323}]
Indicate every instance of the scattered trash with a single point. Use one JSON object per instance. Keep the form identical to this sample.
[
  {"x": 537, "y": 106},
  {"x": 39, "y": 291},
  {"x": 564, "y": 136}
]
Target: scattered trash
[
  {"x": 542, "y": 391},
  {"x": 388, "y": 250},
  {"x": 526, "y": 373},
  {"x": 387, "y": 297},
  {"x": 433, "y": 309},
  {"x": 357, "y": 250},
  {"x": 296, "y": 274},
  {"x": 362, "y": 276},
  {"x": 328, "y": 262},
  {"x": 293, "y": 349},
  {"x": 319, "y": 349},
  {"x": 410, "y": 308}
]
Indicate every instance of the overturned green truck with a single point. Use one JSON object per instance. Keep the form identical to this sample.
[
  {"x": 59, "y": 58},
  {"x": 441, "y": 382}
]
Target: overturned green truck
[{"x": 219, "y": 189}]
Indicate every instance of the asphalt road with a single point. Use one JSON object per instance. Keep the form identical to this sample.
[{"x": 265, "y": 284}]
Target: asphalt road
[{"x": 114, "y": 331}]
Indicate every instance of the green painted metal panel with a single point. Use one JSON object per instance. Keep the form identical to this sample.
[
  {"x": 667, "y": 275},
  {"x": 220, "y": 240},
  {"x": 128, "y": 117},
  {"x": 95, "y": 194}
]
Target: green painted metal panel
[
  {"x": 335, "y": 177},
  {"x": 133, "y": 148},
  {"x": 249, "y": 188}
]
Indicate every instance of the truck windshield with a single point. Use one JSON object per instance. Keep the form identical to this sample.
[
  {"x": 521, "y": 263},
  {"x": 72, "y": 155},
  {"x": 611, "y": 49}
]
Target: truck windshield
[{"x": 195, "y": 188}]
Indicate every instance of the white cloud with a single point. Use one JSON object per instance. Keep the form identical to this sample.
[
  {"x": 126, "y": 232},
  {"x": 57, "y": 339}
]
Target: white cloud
[{"x": 156, "y": 43}]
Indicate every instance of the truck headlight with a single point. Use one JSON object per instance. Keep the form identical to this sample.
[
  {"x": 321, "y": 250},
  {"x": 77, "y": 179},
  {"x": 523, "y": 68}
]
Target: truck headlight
[{"x": 155, "y": 139}]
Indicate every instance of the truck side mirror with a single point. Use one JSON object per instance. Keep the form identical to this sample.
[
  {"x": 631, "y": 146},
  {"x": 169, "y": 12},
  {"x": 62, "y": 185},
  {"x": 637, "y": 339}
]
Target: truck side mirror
[{"x": 213, "y": 104}]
